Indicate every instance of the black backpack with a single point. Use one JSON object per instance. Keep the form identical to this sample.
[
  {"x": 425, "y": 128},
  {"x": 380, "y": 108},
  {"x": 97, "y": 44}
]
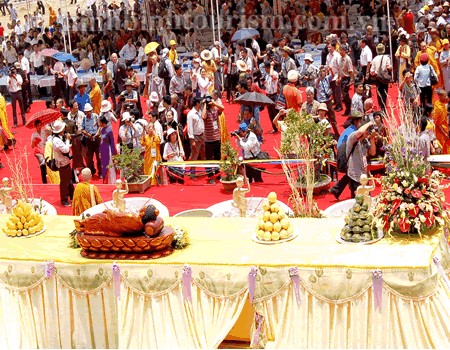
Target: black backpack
[
  {"x": 342, "y": 159},
  {"x": 163, "y": 72}
]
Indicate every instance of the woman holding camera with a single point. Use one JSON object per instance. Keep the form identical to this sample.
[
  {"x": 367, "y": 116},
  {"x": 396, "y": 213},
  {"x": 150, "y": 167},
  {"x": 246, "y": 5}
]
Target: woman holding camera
[
  {"x": 250, "y": 146},
  {"x": 173, "y": 152},
  {"x": 61, "y": 154}
]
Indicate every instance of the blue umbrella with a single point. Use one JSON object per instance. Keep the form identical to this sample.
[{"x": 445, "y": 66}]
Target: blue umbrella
[
  {"x": 244, "y": 33},
  {"x": 64, "y": 56}
]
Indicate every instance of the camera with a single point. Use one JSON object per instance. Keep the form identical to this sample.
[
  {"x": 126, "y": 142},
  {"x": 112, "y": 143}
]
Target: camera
[
  {"x": 207, "y": 100},
  {"x": 235, "y": 133}
]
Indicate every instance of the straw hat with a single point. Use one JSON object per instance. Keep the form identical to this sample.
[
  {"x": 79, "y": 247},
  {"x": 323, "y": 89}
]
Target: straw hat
[
  {"x": 128, "y": 82},
  {"x": 81, "y": 83},
  {"x": 322, "y": 107},
  {"x": 58, "y": 126},
  {"x": 88, "y": 107},
  {"x": 292, "y": 75},
  {"x": 287, "y": 49},
  {"x": 445, "y": 41},
  {"x": 308, "y": 57},
  {"x": 126, "y": 116},
  {"x": 105, "y": 107},
  {"x": 381, "y": 49},
  {"x": 206, "y": 55},
  {"x": 154, "y": 97},
  {"x": 170, "y": 131},
  {"x": 172, "y": 42},
  {"x": 241, "y": 65},
  {"x": 103, "y": 62}
]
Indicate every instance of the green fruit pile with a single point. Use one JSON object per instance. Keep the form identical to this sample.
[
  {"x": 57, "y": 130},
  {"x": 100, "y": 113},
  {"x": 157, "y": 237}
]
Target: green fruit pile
[{"x": 358, "y": 223}]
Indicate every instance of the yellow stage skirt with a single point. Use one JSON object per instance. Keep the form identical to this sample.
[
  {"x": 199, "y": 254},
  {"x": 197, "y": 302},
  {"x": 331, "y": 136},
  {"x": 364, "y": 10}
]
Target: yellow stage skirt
[{"x": 76, "y": 306}]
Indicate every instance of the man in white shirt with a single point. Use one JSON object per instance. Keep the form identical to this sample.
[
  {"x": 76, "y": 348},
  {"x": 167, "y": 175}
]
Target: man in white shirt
[
  {"x": 196, "y": 129},
  {"x": 25, "y": 66},
  {"x": 128, "y": 52},
  {"x": 18, "y": 28},
  {"x": 72, "y": 79},
  {"x": 14, "y": 83},
  {"x": 10, "y": 53},
  {"x": 333, "y": 59},
  {"x": 365, "y": 59},
  {"x": 37, "y": 61},
  {"x": 271, "y": 84},
  {"x": 216, "y": 50},
  {"x": 167, "y": 37}
]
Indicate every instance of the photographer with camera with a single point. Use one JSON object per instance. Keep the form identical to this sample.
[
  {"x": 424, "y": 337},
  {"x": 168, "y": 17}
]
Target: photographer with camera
[
  {"x": 359, "y": 145},
  {"x": 14, "y": 82},
  {"x": 250, "y": 146},
  {"x": 210, "y": 114},
  {"x": 61, "y": 154}
]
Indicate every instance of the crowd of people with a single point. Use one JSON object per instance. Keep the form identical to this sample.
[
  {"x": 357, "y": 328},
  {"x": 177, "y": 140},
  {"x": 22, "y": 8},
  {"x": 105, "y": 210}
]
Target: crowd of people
[{"x": 177, "y": 114}]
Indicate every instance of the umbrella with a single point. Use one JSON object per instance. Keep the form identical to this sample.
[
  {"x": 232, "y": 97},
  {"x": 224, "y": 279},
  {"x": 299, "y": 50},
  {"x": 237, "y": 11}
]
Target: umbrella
[
  {"x": 48, "y": 52},
  {"x": 244, "y": 33},
  {"x": 151, "y": 47},
  {"x": 46, "y": 116},
  {"x": 254, "y": 99},
  {"x": 64, "y": 56}
]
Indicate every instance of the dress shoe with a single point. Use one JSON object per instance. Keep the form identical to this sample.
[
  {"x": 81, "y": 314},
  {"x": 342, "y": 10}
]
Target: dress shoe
[
  {"x": 273, "y": 131},
  {"x": 65, "y": 204},
  {"x": 15, "y": 126},
  {"x": 338, "y": 109},
  {"x": 1, "y": 166}
]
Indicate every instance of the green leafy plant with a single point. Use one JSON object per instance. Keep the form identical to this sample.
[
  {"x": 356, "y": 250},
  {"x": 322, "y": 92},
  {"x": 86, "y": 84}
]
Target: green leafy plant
[
  {"x": 130, "y": 163},
  {"x": 230, "y": 162},
  {"x": 303, "y": 131}
]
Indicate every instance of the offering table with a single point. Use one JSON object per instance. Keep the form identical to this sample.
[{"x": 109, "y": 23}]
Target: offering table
[{"x": 192, "y": 298}]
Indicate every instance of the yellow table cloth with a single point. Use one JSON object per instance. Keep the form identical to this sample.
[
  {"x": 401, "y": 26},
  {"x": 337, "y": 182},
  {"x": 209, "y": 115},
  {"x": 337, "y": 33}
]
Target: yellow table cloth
[{"x": 76, "y": 306}]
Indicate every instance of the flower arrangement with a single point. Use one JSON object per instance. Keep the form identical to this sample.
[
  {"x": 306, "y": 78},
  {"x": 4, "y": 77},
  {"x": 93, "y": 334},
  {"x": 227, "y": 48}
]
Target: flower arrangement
[
  {"x": 181, "y": 238},
  {"x": 410, "y": 203},
  {"x": 411, "y": 199}
]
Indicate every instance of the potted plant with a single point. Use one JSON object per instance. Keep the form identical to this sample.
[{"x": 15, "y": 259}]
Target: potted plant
[
  {"x": 306, "y": 139},
  {"x": 229, "y": 166},
  {"x": 130, "y": 163}
]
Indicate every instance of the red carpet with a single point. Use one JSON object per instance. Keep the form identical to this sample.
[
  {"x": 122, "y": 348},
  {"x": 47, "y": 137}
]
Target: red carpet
[{"x": 195, "y": 194}]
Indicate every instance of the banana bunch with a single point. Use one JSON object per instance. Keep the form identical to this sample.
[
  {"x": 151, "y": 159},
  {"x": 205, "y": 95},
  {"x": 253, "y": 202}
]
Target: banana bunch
[
  {"x": 273, "y": 224},
  {"x": 23, "y": 221}
]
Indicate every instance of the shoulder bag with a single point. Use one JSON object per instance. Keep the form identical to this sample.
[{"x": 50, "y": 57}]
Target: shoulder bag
[
  {"x": 433, "y": 78},
  {"x": 383, "y": 77}
]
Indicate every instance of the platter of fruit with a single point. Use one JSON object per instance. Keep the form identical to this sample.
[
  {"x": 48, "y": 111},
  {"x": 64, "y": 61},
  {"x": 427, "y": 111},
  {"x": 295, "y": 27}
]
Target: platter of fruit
[
  {"x": 359, "y": 228},
  {"x": 273, "y": 225},
  {"x": 24, "y": 221}
]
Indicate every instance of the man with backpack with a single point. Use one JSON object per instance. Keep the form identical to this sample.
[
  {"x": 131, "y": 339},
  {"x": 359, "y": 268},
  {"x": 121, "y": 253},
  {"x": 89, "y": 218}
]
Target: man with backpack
[
  {"x": 165, "y": 69},
  {"x": 353, "y": 145}
]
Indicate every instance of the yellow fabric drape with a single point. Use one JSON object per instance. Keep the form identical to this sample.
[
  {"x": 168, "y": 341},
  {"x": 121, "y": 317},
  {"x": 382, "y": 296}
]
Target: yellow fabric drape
[
  {"x": 53, "y": 315},
  {"x": 203, "y": 324},
  {"x": 320, "y": 323}
]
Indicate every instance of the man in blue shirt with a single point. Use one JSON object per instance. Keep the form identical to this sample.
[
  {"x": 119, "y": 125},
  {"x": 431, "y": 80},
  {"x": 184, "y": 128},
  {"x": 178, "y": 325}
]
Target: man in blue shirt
[
  {"x": 90, "y": 141},
  {"x": 355, "y": 118},
  {"x": 82, "y": 97}
]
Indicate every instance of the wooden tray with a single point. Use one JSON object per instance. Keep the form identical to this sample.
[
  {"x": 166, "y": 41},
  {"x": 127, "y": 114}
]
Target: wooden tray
[{"x": 130, "y": 247}]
